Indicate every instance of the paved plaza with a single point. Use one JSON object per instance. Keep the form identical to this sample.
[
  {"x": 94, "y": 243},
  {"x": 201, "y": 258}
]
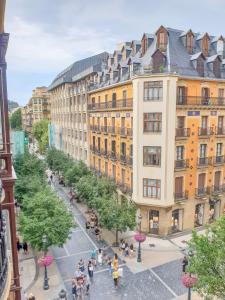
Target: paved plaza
[{"x": 157, "y": 283}]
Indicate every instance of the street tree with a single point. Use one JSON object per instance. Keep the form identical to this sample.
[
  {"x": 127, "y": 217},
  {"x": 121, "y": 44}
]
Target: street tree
[
  {"x": 73, "y": 174},
  {"x": 45, "y": 214},
  {"x": 40, "y": 132},
  {"x": 118, "y": 216},
  {"x": 208, "y": 261},
  {"x": 16, "y": 120}
]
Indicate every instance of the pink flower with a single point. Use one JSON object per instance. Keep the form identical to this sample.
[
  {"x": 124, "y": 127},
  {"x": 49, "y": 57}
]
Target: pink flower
[
  {"x": 189, "y": 281},
  {"x": 45, "y": 261},
  {"x": 139, "y": 237}
]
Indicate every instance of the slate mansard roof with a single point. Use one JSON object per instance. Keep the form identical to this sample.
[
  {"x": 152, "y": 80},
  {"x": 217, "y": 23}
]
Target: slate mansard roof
[
  {"x": 78, "y": 67},
  {"x": 111, "y": 69}
]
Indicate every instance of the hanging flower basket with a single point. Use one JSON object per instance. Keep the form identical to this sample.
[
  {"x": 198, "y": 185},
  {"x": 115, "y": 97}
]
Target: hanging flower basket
[
  {"x": 189, "y": 281},
  {"x": 140, "y": 237},
  {"x": 45, "y": 261}
]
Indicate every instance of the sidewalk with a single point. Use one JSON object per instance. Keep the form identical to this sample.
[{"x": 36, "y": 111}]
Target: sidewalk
[{"x": 32, "y": 278}]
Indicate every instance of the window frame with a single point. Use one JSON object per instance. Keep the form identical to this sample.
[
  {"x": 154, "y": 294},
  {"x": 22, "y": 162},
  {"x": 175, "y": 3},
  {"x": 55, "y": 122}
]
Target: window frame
[
  {"x": 148, "y": 187},
  {"x": 148, "y": 156}
]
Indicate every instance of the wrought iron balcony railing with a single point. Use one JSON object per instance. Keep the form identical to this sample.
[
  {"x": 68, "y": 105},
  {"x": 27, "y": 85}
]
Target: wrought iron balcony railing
[
  {"x": 205, "y": 131},
  {"x": 179, "y": 196},
  {"x": 181, "y": 164},
  {"x": 204, "y": 161},
  {"x": 114, "y": 104},
  {"x": 220, "y": 130},
  {"x": 216, "y": 189},
  {"x": 182, "y": 133},
  {"x": 200, "y": 101},
  {"x": 201, "y": 191},
  {"x": 218, "y": 160}
]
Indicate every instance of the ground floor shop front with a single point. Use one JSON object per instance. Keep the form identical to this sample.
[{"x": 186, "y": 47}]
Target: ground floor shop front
[{"x": 181, "y": 216}]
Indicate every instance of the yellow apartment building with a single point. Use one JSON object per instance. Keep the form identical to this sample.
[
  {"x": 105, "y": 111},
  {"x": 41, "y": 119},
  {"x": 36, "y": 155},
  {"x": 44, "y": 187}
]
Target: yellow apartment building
[{"x": 160, "y": 103}]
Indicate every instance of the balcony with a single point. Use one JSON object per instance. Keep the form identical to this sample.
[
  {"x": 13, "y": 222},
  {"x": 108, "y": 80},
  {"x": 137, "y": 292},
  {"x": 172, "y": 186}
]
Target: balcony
[
  {"x": 114, "y": 105},
  {"x": 205, "y": 132},
  {"x": 112, "y": 130},
  {"x": 130, "y": 161},
  {"x": 218, "y": 160},
  {"x": 123, "y": 159},
  {"x": 124, "y": 132},
  {"x": 181, "y": 164},
  {"x": 200, "y": 101},
  {"x": 105, "y": 153},
  {"x": 204, "y": 162},
  {"x": 201, "y": 192},
  {"x": 217, "y": 189},
  {"x": 220, "y": 131},
  {"x": 104, "y": 129},
  {"x": 180, "y": 196},
  {"x": 182, "y": 133},
  {"x": 113, "y": 156}
]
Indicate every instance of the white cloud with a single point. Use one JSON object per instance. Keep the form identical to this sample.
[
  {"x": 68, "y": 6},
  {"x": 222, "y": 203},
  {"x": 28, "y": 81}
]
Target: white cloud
[{"x": 33, "y": 49}]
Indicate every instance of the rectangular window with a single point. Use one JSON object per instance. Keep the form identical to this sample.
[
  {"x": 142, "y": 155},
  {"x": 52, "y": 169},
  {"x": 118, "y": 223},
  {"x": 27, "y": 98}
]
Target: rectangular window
[
  {"x": 220, "y": 121},
  {"x": 123, "y": 176},
  {"x": 151, "y": 156},
  {"x": 219, "y": 147},
  {"x": 99, "y": 143},
  {"x": 151, "y": 188},
  {"x": 221, "y": 93},
  {"x": 152, "y": 122},
  {"x": 203, "y": 149},
  {"x": 179, "y": 152},
  {"x": 106, "y": 168},
  {"x": 113, "y": 147},
  {"x": 153, "y": 90},
  {"x": 180, "y": 122},
  {"x": 181, "y": 95},
  {"x": 204, "y": 122},
  {"x": 123, "y": 149}
]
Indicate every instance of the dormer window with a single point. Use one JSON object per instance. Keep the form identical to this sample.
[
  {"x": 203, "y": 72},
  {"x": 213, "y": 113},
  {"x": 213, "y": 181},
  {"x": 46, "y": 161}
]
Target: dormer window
[
  {"x": 220, "y": 46},
  {"x": 158, "y": 61},
  {"x": 189, "y": 41},
  {"x": 198, "y": 61},
  {"x": 162, "y": 39},
  {"x": 205, "y": 44},
  {"x": 143, "y": 45}
]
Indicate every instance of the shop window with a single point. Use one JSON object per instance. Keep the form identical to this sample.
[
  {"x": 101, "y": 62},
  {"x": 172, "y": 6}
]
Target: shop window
[{"x": 154, "y": 221}]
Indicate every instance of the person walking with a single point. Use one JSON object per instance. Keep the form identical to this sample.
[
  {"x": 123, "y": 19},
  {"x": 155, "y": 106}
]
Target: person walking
[
  {"x": 115, "y": 262},
  {"x": 25, "y": 247},
  {"x": 77, "y": 273},
  {"x": 87, "y": 284},
  {"x": 131, "y": 250},
  {"x": 123, "y": 247},
  {"x": 81, "y": 265},
  {"x": 97, "y": 233},
  {"x": 90, "y": 268},
  {"x": 109, "y": 263},
  {"x": 18, "y": 245},
  {"x": 74, "y": 288},
  {"x": 80, "y": 290},
  {"x": 184, "y": 264},
  {"x": 93, "y": 257},
  {"x": 100, "y": 256},
  {"x": 115, "y": 277},
  {"x": 126, "y": 250}
]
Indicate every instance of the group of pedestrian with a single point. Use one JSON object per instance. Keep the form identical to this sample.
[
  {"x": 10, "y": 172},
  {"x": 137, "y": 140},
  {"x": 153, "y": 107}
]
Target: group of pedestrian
[
  {"x": 126, "y": 249},
  {"x": 93, "y": 226},
  {"x": 23, "y": 246}
]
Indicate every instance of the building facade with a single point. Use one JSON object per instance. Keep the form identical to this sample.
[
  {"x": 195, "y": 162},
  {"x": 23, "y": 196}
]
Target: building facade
[
  {"x": 9, "y": 269},
  {"x": 38, "y": 108},
  {"x": 175, "y": 81},
  {"x": 68, "y": 93}
]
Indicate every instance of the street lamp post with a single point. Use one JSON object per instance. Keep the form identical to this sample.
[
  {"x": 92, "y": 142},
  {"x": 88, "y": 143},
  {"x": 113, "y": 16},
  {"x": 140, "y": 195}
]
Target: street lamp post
[
  {"x": 188, "y": 280},
  {"x": 44, "y": 242},
  {"x": 140, "y": 238},
  {"x": 190, "y": 254}
]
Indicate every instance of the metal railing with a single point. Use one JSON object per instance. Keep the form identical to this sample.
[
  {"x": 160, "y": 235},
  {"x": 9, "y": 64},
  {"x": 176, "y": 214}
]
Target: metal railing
[
  {"x": 201, "y": 192},
  {"x": 220, "y": 130},
  {"x": 204, "y": 161},
  {"x": 200, "y": 101},
  {"x": 114, "y": 104},
  {"x": 217, "y": 189},
  {"x": 104, "y": 129},
  {"x": 218, "y": 160},
  {"x": 181, "y": 164},
  {"x": 182, "y": 132},
  {"x": 205, "y": 131},
  {"x": 178, "y": 196}
]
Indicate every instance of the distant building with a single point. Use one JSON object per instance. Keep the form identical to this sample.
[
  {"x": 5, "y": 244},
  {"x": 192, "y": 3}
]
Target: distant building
[{"x": 38, "y": 108}]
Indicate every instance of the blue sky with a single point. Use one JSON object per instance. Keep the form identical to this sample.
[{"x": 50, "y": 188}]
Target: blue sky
[{"x": 48, "y": 35}]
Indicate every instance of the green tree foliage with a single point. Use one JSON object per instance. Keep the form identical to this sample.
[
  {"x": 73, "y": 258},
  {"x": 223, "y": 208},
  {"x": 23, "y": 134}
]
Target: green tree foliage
[
  {"x": 45, "y": 214},
  {"x": 16, "y": 120},
  {"x": 99, "y": 193},
  {"x": 40, "y": 132},
  {"x": 73, "y": 174},
  {"x": 28, "y": 165},
  {"x": 208, "y": 262}
]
